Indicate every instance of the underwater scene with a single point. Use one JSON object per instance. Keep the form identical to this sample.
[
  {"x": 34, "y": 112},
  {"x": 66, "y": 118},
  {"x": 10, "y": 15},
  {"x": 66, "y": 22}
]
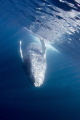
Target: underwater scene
[{"x": 39, "y": 59}]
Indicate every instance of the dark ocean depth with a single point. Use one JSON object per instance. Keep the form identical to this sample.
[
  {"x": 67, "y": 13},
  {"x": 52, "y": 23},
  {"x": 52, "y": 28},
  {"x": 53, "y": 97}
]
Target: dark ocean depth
[{"x": 57, "y": 22}]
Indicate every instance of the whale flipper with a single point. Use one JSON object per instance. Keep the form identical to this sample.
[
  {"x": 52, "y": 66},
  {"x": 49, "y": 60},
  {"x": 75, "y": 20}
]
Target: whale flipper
[{"x": 43, "y": 47}]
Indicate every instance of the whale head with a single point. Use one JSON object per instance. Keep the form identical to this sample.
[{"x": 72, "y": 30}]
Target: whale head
[{"x": 34, "y": 64}]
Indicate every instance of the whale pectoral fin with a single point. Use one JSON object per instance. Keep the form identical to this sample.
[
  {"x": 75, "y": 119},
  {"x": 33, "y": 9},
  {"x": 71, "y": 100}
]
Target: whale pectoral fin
[
  {"x": 43, "y": 47},
  {"x": 21, "y": 50}
]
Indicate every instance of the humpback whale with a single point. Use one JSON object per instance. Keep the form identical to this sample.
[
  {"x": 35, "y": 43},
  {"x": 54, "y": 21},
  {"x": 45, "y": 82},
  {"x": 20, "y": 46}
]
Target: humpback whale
[{"x": 34, "y": 62}]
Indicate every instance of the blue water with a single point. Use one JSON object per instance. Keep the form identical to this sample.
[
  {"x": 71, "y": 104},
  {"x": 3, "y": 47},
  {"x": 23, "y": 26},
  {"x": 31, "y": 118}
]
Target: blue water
[{"x": 59, "y": 97}]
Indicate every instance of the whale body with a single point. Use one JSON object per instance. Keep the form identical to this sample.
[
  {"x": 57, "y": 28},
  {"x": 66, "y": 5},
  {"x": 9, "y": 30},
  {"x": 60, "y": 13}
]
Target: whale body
[{"x": 34, "y": 63}]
